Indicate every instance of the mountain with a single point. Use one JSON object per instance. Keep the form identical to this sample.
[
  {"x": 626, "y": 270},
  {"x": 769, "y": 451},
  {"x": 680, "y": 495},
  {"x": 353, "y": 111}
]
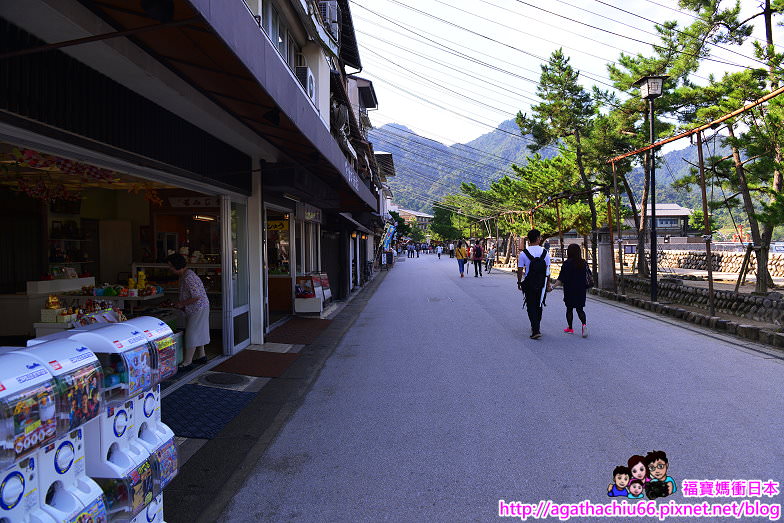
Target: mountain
[{"x": 428, "y": 170}]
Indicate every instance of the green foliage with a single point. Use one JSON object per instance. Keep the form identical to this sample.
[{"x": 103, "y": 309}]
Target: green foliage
[
  {"x": 403, "y": 228},
  {"x": 697, "y": 221}
]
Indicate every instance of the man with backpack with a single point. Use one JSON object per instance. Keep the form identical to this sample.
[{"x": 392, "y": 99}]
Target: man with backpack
[{"x": 534, "y": 262}]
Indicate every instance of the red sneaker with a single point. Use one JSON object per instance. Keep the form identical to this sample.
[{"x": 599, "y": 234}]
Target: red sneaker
[{"x": 567, "y": 330}]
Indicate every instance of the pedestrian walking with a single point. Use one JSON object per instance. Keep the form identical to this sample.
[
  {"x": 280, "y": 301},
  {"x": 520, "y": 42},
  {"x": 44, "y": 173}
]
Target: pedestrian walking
[
  {"x": 451, "y": 250},
  {"x": 534, "y": 262},
  {"x": 477, "y": 257},
  {"x": 417, "y": 247},
  {"x": 575, "y": 279},
  {"x": 490, "y": 259},
  {"x": 439, "y": 250},
  {"x": 410, "y": 250},
  {"x": 461, "y": 253}
]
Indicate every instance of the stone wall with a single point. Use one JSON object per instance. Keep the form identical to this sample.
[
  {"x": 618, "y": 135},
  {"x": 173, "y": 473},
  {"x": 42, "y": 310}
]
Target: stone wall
[
  {"x": 768, "y": 308},
  {"x": 722, "y": 261}
]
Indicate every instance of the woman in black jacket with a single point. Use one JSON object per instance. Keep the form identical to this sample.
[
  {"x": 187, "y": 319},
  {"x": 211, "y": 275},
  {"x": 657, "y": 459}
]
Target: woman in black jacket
[{"x": 573, "y": 277}]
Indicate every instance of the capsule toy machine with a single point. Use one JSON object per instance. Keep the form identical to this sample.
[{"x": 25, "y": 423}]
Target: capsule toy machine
[
  {"x": 153, "y": 434},
  {"x": 129, "y": 498},
  {"x": 125, "y": 359},
  {"x": 27, "y": 422},
  {"x": 67, "y": 493},
  {"x": 152, "y": 513}
]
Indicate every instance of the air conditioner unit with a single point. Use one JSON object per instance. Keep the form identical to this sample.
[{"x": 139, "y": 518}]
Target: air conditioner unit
[
  {"x": 330, "y": 14},
  {"x": 308, "y": 81}
]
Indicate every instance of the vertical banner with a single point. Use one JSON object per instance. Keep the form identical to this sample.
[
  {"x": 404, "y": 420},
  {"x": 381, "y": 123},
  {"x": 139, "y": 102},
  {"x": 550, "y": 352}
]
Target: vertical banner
[{"x": 389, "y": 234}]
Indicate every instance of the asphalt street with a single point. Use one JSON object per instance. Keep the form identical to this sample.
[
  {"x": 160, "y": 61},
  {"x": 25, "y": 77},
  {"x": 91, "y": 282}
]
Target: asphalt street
[{"x": 437, "y": 404}]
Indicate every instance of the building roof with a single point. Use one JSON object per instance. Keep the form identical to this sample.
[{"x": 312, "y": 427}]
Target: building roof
[
  {"x": 386, "y": 164},
  {"x": 415, "y": 213},
  {"x": 669, "y": 209}
]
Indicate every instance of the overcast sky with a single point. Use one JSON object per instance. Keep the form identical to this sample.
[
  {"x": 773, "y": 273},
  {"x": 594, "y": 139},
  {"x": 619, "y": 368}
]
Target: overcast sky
[{"x": 487, "y": 68}]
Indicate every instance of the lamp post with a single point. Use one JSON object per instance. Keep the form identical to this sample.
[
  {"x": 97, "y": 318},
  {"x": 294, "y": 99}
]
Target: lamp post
[{"x": 651, "y": 87}]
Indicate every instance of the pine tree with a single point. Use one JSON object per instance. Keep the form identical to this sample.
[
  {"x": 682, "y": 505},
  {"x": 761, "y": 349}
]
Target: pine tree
[{"x": 564, "y": 115}]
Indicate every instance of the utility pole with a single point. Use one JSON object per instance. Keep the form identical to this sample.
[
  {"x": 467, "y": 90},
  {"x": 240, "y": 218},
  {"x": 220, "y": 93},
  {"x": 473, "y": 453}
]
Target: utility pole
[
  {"x": 618, "y": 220},
  {"x": 560, "y": 229},
  {"x": 707, "y": 236}
]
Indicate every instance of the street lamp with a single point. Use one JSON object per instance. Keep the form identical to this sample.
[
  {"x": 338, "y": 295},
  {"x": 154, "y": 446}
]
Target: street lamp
[{"x": 651, "y": 87}]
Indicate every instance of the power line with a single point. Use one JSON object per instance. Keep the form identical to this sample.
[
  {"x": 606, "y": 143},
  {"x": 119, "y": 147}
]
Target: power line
[
  {"x": 409, "y": 72},
  {"x": 675, "y": 29},
  {"x": 397, "y": 87},
  {"x": 432, "y": 60},
  {"x": 593, "y": 76},
  {"x": 481, "y": 35},
  {"x": 444, "y": 185},
  {"x": 448, "y": 155},
  {"x": 439, "y": 183},
  {"x": 655, "y": 46},
  {"x": 489, "y": 155}
]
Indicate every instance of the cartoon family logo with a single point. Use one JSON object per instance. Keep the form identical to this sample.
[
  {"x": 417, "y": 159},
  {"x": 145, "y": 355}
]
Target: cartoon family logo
[{"x": 643, "y": 476}]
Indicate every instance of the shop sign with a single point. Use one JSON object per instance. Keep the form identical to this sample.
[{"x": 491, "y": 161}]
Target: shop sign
[
  {"x": 308, "y": 212},
  {"x": 277, "y": 225},
  {"x": 351, "y": 176},
  {"x": 194, "y": 201}
]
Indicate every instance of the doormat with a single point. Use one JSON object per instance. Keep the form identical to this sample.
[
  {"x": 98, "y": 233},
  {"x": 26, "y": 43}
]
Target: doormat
[
  {"x": 193, "y": 411},
  {"x": 298, "y": 331},
  {"x": 258, "y": 363}
]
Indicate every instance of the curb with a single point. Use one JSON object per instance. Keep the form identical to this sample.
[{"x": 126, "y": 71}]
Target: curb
[
  {"x": 211, "y": 478},
  {"x": 753, "y": 333}
]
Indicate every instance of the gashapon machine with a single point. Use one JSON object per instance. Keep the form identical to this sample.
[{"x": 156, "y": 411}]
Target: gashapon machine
[
  {"x": 67, "y": 493},
  {"x": 27, "y": 423},
  {"x": 153, "y": 434},
  {"x": 117, "y": 460}
]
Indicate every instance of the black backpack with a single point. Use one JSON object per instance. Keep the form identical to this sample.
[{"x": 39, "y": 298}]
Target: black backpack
[
  {"x": 477, "y": 253},
  {"x": 536, "y": 275}
]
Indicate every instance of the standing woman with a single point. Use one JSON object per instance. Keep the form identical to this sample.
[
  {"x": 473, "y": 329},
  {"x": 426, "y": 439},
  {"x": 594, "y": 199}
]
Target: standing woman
[
  {"x": 573, "y": 277},
  {"x": 461, "y": 253},
  {"x": 194, "y": 301}
]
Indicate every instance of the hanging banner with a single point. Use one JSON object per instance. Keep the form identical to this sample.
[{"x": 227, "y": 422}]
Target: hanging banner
[{"x": 388, "y": 235}]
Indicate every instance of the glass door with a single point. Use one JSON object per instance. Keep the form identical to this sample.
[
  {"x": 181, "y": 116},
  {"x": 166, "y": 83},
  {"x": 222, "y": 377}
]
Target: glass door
[
  {"x": 236, "y": 287},
  {"x": 280, "y": 263}
]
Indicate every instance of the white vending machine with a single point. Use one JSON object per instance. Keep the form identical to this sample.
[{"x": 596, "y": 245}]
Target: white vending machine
[
  {"x": 153, "y": 434},
  {"x": 118, "y": 460},
  {"x": 27, "y": 423},
  {"x": 67, "y": 493}
]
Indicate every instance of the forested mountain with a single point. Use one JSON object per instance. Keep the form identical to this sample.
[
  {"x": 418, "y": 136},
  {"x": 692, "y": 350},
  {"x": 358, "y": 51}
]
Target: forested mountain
[{"x": 428, "y": 169}]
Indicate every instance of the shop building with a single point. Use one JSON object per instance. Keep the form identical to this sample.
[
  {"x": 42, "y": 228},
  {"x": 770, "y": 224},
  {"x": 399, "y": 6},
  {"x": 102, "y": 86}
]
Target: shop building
[{"x": 224, "y": 134}]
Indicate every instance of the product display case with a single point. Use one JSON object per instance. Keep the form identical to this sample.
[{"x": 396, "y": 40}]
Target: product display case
[{"x": 211, "y": 277}]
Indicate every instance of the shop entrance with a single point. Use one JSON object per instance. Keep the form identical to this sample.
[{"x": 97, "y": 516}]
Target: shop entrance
[
  {"x": 280, "y": 283},
  {"x": 237, "y": 296},
  {"x": 98, "y": 239}
]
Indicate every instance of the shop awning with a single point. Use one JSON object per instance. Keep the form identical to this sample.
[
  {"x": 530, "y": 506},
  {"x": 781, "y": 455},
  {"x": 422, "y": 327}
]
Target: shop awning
[
  {"x": 358, "y": 226},
  {"x": 226, "y": 55}
]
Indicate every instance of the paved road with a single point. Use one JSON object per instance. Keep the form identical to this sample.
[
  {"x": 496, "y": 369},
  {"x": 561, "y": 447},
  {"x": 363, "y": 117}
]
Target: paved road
[{"x": 437, "y": 404}]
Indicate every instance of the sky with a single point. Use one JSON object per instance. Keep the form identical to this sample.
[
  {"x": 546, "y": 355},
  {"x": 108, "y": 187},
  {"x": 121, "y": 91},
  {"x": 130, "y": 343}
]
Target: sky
[{"x": 452, "y": 70}]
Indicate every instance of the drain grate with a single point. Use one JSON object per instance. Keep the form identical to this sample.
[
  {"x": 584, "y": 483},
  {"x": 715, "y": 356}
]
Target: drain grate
[{"x": 225, "y": 378}]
